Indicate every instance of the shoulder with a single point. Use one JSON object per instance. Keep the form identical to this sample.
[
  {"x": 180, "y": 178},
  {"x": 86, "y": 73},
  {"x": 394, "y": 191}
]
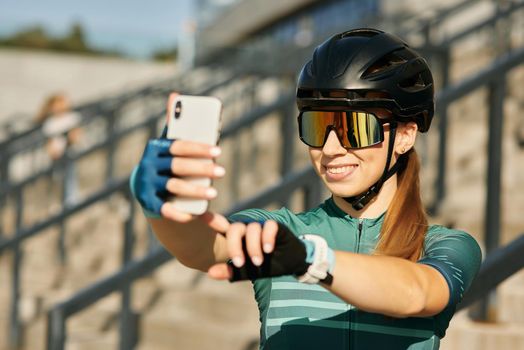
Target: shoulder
[
  {"x": 295, "y": 221},
  {"x": 456, "y": 255},
  {"x": 437, "y": 234},
  {"x": 443, "y": 241}
]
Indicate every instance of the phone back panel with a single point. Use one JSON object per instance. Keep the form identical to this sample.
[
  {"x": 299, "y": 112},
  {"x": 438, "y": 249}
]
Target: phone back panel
[{"x": 198, "y": 120}]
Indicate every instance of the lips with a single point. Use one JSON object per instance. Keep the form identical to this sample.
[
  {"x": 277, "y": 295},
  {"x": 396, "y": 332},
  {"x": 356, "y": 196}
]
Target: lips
[{"x": 339, "y": 172}]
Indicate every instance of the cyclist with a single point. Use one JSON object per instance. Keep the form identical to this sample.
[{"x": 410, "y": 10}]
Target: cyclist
[{"x": 363, "y": 270}]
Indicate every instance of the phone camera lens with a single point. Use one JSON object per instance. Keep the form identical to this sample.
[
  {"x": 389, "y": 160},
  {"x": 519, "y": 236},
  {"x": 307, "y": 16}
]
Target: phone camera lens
[{"x": 178, "y": 109}]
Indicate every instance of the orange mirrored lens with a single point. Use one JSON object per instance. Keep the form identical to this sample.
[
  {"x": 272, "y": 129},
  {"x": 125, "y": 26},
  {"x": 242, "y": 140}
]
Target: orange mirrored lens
[{"x": 354, "y": 129}]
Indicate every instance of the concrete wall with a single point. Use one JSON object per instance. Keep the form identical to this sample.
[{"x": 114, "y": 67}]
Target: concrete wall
[{"x": 28, "y": 77}]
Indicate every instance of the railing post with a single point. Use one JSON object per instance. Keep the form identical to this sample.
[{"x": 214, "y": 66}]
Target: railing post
[
  {"x": 5, "y": 158},
  {"x": 442, "y": 112},
  {"x": 492, "y": 214},
  {"x": 234, "y": 182},
  {"x": 15, "y": 331},
  {"x": 129, "y": 322},
  {"x": 69, "y": 192},
  {"x": 110, "y": 163},
  {"x": 288, "y": 141},
  {"x": 56, "y": 329},
  {"x": 128, "y": 319}
]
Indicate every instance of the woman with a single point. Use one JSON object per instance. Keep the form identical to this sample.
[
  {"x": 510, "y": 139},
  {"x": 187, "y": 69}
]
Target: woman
[
  {"x": 363, "y": 270},
  {"x": 59, "y": 125}
]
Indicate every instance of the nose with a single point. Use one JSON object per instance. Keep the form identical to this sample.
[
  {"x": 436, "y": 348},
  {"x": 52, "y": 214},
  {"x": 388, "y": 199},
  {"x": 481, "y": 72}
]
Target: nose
[{"x": 332, "y": 147}]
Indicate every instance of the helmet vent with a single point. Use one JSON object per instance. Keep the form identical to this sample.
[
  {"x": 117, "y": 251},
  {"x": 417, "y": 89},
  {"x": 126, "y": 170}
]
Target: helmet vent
[
  {"x": 384, "y": 64},
  {"x": 413, "y": 84},
  {"x": 367, "y": 33}
]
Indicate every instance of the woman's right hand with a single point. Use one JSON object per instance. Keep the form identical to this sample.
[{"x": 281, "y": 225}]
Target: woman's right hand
[
  {"x": 186, "y": 162},
  {"x": 162, "y": 171}
]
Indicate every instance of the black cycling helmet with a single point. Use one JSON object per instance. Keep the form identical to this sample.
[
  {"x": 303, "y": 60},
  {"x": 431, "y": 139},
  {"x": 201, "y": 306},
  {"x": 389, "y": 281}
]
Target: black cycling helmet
[
  {"x": 353, "y": 64},
  {"x": 368, "y": 60}
]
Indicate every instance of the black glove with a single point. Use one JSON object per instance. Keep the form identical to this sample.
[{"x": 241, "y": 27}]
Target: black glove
[{"x": 288, "y": 258}]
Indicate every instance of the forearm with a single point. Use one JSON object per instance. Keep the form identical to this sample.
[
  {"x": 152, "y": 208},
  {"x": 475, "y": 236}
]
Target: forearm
[
  {"x": 194, "y": 244},
  {"x": 388, "y": 285}
]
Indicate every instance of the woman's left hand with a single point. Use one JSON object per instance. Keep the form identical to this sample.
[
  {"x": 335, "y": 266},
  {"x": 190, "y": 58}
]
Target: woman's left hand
[
  {"x": 259, "y": 239},
  {"x": 260, "y": 250}
]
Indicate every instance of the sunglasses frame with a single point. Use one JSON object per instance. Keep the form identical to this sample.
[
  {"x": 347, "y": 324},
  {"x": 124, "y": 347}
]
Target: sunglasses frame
[{"x": 381, "y": 122}]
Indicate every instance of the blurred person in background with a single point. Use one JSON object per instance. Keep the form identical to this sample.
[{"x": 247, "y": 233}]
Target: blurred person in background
[
  {"x": 364, "y": 269},
  {"x": 60, "y": 126}
]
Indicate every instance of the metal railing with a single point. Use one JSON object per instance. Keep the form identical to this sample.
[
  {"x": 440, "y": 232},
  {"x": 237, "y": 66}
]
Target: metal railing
[
  {"x": 446, "y": 96},
  {"x": 113, "y": 186},
  {"x": 494, "y": 78},
  {"x": 497, "y": 267},
  {"x": 305, "y": 180}
]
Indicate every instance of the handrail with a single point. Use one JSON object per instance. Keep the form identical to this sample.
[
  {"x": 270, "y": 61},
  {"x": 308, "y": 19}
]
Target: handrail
[
  {"x": 486, "y": 23},
  {"x": 498, "y": 266},
  {"x": 256, "y": 114},
  {"x": 101, "y": 107},
  {"x": 56, "y": 320},
  {"x": 481, "y": 78},
  {"x": 454, "y": 92},
  {"x": 230, "y": 130},
  {"x": 22, "y": 235},
  {"x": 440, "y": 16},
  {"x": 96, "y": 104},
  {"x": 9, "y": 187}
]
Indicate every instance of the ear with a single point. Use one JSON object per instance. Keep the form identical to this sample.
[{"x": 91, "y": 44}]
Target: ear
[{"x": 405, "y": 137}]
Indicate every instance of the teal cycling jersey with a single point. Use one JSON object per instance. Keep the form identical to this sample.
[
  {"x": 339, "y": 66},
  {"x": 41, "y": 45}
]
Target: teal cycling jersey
[{"x": 294, "y": 315}]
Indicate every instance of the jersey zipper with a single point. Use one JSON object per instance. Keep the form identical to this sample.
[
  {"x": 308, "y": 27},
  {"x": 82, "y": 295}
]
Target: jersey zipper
[
  {"x": 360, "y": 226},
  {"x": 352, "y": 319}
]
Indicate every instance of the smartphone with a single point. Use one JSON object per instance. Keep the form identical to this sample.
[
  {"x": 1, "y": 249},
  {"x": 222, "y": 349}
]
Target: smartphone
[{"x": 195, "y": 118}]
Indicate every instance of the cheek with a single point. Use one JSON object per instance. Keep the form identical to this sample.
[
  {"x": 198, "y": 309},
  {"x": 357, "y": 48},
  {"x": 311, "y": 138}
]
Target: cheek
[
  {"x": 372, "y": 165},
  {"x": 315, "y": 155}
]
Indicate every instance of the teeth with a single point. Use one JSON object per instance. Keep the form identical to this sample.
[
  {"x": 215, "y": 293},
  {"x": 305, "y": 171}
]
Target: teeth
[{"x": 339, "y": 170}]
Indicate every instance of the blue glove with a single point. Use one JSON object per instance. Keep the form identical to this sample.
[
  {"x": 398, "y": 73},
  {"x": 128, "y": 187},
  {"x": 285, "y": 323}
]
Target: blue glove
[{"x": 148, "y": 180}]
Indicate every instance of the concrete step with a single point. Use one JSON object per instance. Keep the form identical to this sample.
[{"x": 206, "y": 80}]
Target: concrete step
[
  {"x": 510, "y": 300},
  {"x": 214, "y": 315},
  {"x": 466, "y": 334},
  {"x": 4, "y": 335}
]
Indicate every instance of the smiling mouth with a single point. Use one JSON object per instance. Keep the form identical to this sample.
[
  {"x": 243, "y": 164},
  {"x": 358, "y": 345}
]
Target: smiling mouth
[{"x": 340, "y": 169}]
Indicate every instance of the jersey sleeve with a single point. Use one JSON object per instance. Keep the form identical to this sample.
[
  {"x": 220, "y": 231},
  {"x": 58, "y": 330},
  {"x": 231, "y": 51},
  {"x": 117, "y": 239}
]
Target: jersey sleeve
[
  {"x": 457, "y": 256},
  {"x": 259, "y": 215}
]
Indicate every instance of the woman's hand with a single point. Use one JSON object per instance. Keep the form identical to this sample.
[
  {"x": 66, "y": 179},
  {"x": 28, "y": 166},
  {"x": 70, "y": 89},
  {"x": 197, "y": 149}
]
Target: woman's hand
[
  {"x": 185, "y": 161},
  {"x": 269, "y": 249},
  {"x": 259, "y": 240},
  {"x": 162, "y": 172}
]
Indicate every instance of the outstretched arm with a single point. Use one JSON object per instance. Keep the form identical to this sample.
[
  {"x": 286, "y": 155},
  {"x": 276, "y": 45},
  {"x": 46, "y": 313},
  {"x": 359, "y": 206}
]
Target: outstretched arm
[
  {"x": 381, "y": 284},
  {"x": 161, "y": 174},
  {"x": 389, "y": 285}
]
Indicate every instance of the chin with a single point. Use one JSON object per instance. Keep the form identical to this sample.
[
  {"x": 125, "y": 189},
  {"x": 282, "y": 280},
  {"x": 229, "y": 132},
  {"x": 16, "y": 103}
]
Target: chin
[{"x": 343, "y": 190}]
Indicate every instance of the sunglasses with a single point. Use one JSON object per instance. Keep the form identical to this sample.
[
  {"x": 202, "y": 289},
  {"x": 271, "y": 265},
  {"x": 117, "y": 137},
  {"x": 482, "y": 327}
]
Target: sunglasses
[{"x": 354, "y": 129}]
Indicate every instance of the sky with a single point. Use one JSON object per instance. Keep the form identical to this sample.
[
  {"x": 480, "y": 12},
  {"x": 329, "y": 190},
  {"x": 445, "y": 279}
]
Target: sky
[{"x": 136, "y": 27}]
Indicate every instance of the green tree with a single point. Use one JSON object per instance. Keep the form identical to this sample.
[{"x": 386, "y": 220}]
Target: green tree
[
  {"x": 35, "y": 37},
  {"x": 165, "y": 54}
]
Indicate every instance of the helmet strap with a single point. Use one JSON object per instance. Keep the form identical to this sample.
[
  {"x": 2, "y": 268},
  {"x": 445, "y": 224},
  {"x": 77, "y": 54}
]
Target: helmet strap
[{"x": 360, "y": 201}]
